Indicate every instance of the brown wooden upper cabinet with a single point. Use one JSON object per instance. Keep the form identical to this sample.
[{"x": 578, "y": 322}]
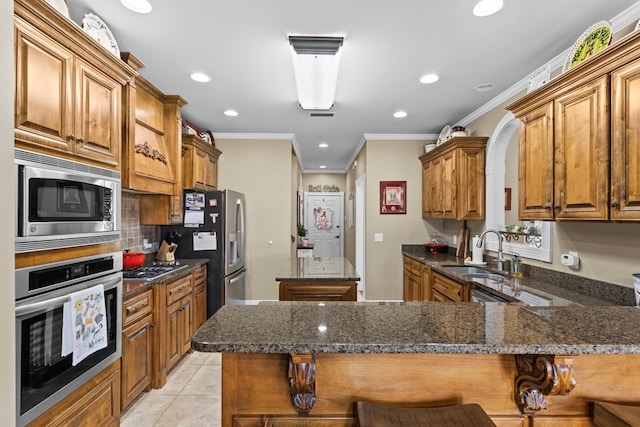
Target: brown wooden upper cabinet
[
  {"x": 453, "y": 183},
  {"x": 199, "y": 164},
  {"x": 580, "y": 140},
  {"x": 68, "y": 99}
]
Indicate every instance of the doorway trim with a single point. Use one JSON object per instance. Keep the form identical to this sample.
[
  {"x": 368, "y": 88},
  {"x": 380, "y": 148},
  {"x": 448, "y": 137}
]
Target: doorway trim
[{"x": 360, "y": 204}]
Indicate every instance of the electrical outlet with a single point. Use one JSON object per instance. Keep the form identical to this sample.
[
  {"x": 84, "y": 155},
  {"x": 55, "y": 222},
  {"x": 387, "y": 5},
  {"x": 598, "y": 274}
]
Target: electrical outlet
[{"x": 378, "y": 237}]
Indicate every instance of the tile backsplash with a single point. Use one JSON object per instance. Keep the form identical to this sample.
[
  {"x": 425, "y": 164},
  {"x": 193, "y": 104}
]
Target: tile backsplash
[{"x": 133, "y": 234}]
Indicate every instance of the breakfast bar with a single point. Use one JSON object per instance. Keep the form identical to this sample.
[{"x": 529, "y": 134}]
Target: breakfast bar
[{"x": 310, "y": 362}]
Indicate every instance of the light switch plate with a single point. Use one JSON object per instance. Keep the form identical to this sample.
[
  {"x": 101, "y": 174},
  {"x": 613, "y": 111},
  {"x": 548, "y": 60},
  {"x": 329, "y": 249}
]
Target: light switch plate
[{"x": 378, "y": 237}]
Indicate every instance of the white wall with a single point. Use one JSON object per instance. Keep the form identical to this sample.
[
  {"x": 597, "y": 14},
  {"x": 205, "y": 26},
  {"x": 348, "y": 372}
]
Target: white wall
[
  {"x": 262, "y": 170},
  {"x": 7, "y": 266}
]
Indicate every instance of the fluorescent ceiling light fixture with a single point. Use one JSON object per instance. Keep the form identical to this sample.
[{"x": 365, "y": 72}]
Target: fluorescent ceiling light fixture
[
  {"x": 139, "y": 6},
  {"x": 400, "y": 114},
  {"x": 429, "y": 78},
  {"x": 323, "y": 145},
  {"x": 323, "y": 167},
  {"x": 487, "y": 7},
  {"x": 200, "y": 77},
  {"x": 316, "y": 60},
  {"x": 231, "y": 113}
]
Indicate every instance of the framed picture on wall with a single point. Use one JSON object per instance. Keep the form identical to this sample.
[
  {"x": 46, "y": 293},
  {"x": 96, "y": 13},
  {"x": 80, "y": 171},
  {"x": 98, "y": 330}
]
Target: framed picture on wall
[{"x": 393, "y": 197}]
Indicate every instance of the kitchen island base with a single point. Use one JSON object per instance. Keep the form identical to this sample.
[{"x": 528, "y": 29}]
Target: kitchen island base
[{"x": 256, "y": 388}]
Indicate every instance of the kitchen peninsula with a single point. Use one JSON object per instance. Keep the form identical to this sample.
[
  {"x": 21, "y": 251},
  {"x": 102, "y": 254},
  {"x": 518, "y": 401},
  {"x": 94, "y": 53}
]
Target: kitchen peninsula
[
  {"x": 318, "y": 279},
  {"x": 318, "y": 359}
]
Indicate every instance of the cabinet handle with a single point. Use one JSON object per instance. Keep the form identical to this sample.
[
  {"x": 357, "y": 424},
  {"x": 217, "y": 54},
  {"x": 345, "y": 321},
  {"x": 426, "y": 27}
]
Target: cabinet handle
[
  {"x": 80, "y": 140},
  {"x": 137, "y": 334},
  {"x": 556, "y": 207},
  {"x": 614, "y": 204},
  {"x": 134, "y": 308},
  {"x": 547, "y": 207},
  {"x": 71, "y": 137}
]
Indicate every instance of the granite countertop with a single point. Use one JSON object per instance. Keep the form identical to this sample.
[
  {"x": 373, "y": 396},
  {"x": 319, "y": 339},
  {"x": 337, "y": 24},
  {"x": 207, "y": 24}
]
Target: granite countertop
[
  {"x": 318, "y": 269},
  {"x": 537, "y": 287},
  {"x": 133, "y": 286},
  {"x": 455, "y": 328}
]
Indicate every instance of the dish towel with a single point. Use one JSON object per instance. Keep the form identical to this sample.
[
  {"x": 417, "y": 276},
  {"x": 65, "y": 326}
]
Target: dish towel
[{"x": 84, "y": 327}]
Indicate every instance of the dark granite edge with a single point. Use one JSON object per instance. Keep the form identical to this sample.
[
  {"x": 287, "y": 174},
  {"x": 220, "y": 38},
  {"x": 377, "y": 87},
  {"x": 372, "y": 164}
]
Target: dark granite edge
[{"x": 427, "y": 348}]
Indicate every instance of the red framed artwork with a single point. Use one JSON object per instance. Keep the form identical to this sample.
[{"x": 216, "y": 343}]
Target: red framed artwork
[{"x": 393, "y": 197}]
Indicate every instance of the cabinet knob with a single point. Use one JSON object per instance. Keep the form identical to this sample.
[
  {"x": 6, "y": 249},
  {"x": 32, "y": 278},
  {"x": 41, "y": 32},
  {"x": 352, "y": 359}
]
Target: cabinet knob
[
  {"x": 556, "y": 207},
  {"x": 547, "y": 207},
  {"x": 71, "y": 137},
  {"x": 614, "y": 204},
  {"x": 80, "y": 140}
]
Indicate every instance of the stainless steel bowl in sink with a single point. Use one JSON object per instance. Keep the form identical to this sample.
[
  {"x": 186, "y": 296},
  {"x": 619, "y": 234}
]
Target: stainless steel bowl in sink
[{"x": 475, "y": 272}]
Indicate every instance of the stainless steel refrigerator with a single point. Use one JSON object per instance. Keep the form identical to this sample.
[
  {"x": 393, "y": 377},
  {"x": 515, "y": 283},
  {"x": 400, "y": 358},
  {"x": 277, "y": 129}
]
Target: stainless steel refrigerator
[{"x": 214, "y": 228}]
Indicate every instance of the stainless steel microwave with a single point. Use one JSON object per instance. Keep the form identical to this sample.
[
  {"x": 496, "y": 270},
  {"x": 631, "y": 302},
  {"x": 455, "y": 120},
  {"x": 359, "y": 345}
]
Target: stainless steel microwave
[{"x": 62, "y": 203}]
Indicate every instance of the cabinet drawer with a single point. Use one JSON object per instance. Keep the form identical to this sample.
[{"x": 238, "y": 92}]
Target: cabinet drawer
[
  {"x": 200, "y": 275},
  {"x": 406, "y": 262},
  {"x": 179, "y": 289},
  {"x": 136, "y": 307},
  {"x": 447, "y": 287}
]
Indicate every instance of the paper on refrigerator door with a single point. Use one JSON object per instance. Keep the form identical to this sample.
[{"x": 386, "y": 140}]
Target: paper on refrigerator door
[{"x": 204, "y": 241}]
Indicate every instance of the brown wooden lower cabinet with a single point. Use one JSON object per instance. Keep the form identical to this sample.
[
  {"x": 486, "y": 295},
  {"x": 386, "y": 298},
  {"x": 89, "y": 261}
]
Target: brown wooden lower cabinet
[
  {"x": 318, "y": 291},
  {"x": 96, "y": 403},
  {"x": 416, "y": 380},
  {"x": 200, "y": 297},
  {"x": 137, "y": 345},
  {"x": 448, "y": 290}
]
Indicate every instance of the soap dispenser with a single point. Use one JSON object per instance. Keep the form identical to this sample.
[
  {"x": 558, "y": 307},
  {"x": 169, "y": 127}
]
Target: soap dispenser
[{"x": 516, "y": 265}]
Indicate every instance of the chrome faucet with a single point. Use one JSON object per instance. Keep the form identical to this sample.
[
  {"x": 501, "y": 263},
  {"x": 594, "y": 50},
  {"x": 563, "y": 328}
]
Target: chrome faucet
[{"x": 500, "y": 237}]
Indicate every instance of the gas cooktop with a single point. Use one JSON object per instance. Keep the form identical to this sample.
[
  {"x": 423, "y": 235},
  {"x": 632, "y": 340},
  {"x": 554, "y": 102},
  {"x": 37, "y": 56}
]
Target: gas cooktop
[{"x": 148, "y": 272}]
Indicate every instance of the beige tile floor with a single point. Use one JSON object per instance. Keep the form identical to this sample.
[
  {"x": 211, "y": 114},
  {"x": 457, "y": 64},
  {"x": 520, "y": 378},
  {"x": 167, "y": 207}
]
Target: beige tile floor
[{"x": 191, "y": 397}]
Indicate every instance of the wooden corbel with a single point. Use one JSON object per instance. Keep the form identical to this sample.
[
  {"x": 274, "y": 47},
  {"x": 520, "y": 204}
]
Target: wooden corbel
[
  {"x": 540, "y": 375},
  {"x": 302, "y": 382}
]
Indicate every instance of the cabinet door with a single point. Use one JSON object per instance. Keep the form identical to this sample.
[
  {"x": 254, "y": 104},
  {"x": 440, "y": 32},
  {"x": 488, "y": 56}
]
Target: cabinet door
[
  {"x": 427, "y": 279},
  {"x": 200, "y": 306},
  {"x": 44, "y": 89},
  {"x": 137, "y": 351},
  {"x": 535, "y": 172},
  {"x": 98, "y": 115},
  {"x": 186, "y": 325},
  {"x": 211, "y": 178},
  {"x": 200, "y": 160},
  {"x": 449, "y": 185},
  {"x": 426, "y": 190},
  {"x": 625, "y": 146},
  {"x": 173, "y": 330},
  {"x": 437, "y": 187},
  {"x": 581, "y": 140},
  {"x": 470, "y": 189}
]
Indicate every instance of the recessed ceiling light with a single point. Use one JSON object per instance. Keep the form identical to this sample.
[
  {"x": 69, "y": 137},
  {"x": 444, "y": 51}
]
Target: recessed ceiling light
[
  {"x": 484, "y": 87},
  {"x": 487, "y": 7},
  {"x": 231, "y": 113},
  {"x": 200, "y": 77},
  {"x": 323, "y": 167},
  {"x": 400, "y": 114},
  {"x": 429, "y": 78},
  {"x": 139, "y": 6},
  {"x": 323, "y": 145}
]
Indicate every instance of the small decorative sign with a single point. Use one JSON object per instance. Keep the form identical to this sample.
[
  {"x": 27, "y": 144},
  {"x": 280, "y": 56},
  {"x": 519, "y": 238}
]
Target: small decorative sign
[{"x": 393, "y": 197}]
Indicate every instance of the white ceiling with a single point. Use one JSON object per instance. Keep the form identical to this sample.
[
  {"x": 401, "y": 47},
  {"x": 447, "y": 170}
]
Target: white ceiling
[{"x": 389, "y": 45}]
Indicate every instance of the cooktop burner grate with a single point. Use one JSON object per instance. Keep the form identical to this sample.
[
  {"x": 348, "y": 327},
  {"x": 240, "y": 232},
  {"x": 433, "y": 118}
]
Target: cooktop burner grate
[{"x": 150, "y": 271}]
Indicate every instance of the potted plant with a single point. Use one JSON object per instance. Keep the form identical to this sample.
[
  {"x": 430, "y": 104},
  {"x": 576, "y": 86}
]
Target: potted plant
[{"x": 302, "y": 232}]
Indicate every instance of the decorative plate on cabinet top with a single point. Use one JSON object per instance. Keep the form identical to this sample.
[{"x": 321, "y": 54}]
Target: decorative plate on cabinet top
[
  {"x": 60, "y": 6},
  {"x": 96, "y": 28},
  {"x": 444, "y": 134},
  {"x": 595, "y": 39}
]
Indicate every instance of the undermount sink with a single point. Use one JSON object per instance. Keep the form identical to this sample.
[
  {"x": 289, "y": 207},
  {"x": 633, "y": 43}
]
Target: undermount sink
[{"x": 475, "y": 272}]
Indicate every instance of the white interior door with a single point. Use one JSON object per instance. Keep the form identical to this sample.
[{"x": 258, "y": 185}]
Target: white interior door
[{"x": 323, "y": 219}]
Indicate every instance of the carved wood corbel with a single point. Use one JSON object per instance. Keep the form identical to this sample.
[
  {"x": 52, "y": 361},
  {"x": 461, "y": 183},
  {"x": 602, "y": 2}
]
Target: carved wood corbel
[
  {"x": 540, "y": 375},
  {"x": 302, "y": 382}
]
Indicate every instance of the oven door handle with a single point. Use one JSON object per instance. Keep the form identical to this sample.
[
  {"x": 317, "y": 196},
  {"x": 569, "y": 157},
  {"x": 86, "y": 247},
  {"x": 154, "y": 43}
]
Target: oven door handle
[{"x": 40, "y": 305}]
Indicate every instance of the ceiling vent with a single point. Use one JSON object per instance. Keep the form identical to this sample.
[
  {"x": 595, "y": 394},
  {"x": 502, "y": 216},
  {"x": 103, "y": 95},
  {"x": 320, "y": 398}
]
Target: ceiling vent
[{"x": 328, "y": 114}]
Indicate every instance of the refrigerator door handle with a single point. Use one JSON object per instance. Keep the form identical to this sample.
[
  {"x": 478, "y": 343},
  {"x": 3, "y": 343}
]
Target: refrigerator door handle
[{"x": 236, "y": 276}]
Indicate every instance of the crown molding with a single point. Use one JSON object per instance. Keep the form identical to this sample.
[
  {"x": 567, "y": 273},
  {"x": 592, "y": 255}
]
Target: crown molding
[
  {"x": 233, "y": 135},
  {"x": 399, "y": 136}
]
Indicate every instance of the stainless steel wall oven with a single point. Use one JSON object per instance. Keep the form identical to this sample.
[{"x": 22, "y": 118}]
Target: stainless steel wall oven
[{"x": 43, "y": 375}]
